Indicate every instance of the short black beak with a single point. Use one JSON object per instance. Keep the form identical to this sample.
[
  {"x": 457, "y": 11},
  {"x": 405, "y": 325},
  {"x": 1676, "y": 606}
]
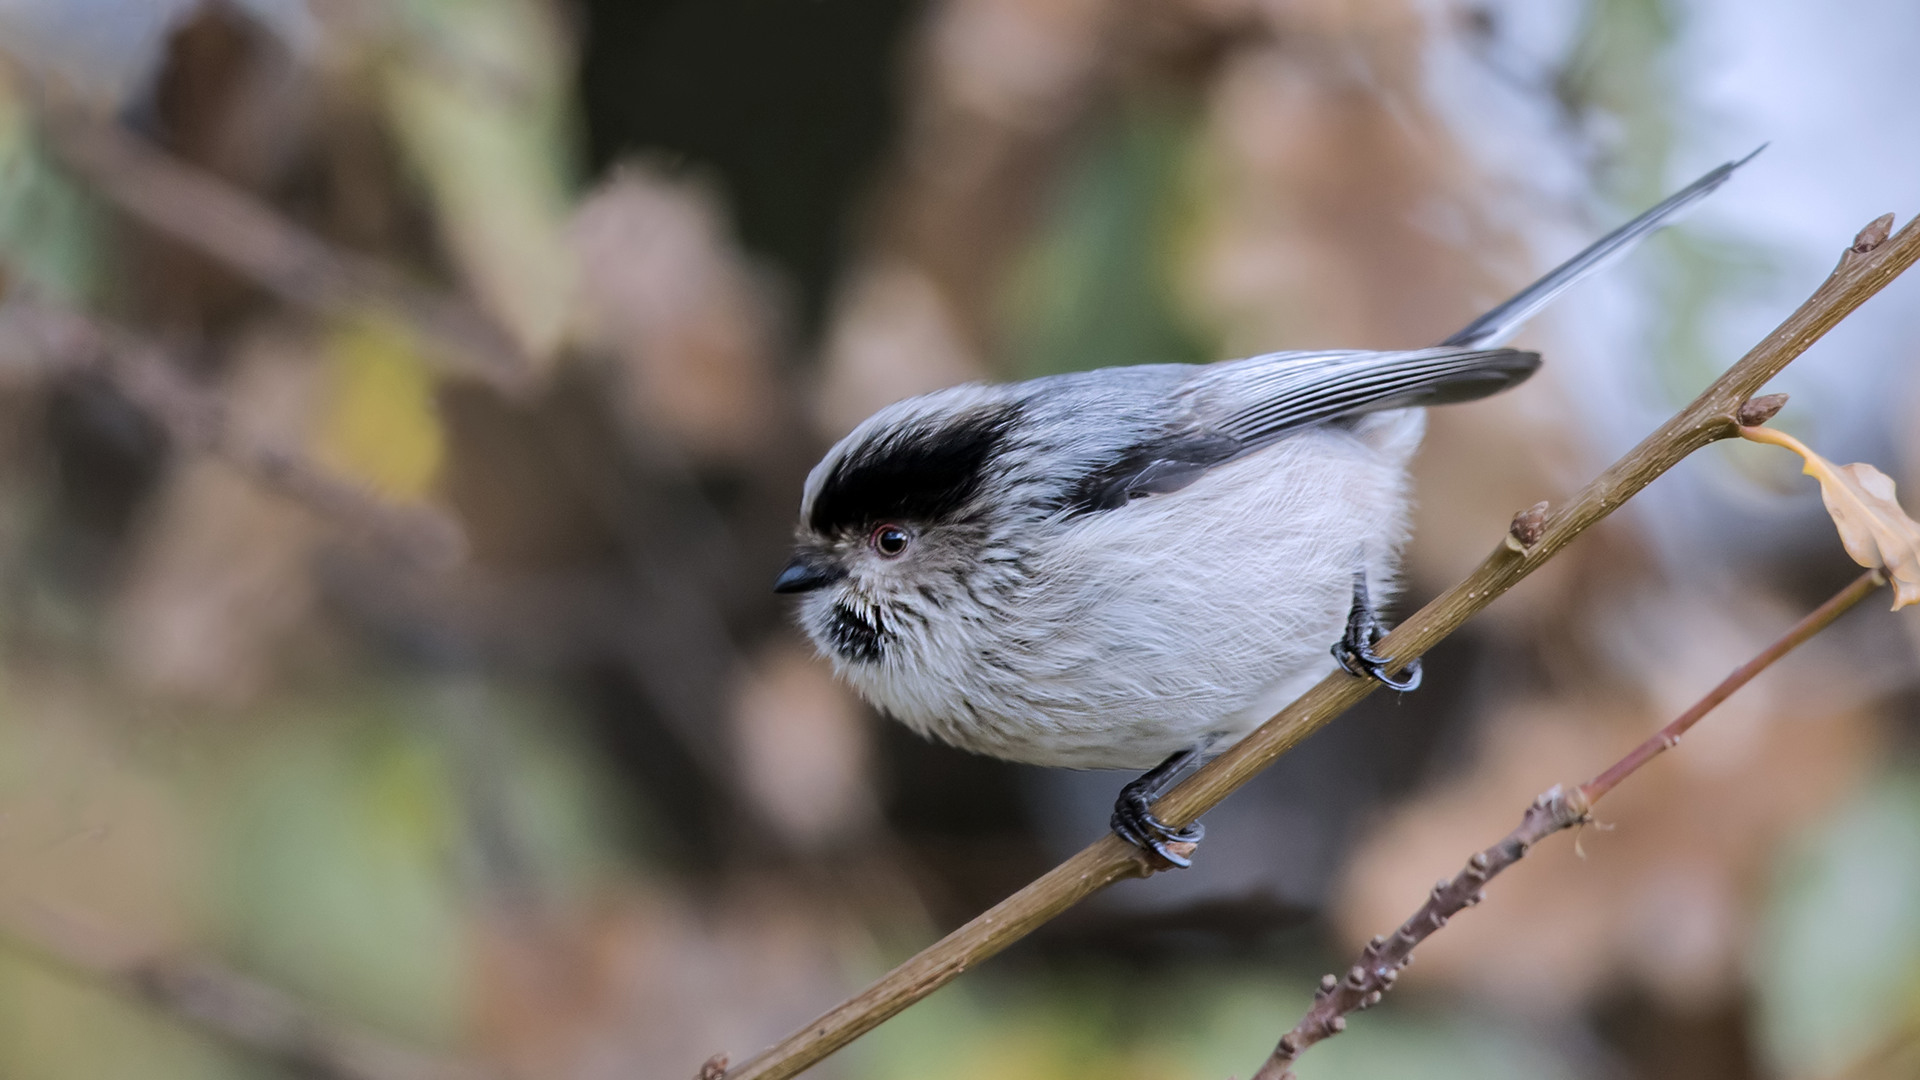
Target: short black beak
[{"x": 807, "y": 572}]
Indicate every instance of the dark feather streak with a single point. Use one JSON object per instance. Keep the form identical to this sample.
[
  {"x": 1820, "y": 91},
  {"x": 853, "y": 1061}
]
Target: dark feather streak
[
  {"x": 922, "y": 474},
  {"x": 1153, "y": 467},
  {"x": 854, "y": 638}
]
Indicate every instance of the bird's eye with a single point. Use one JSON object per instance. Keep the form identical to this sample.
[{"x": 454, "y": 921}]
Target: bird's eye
[{"x": 889, "y": 541}]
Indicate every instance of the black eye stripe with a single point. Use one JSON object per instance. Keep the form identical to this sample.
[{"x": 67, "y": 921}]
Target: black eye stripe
[{"x": 920, "y": 474}]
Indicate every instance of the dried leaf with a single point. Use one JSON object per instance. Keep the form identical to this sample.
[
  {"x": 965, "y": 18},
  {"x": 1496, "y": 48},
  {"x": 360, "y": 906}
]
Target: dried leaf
[
  {"x": 801, "y": 742},
  {"x": 220, "y": 583},
  {"x": 1875, "y": 530},
  {"x": 667, "y": 292}
]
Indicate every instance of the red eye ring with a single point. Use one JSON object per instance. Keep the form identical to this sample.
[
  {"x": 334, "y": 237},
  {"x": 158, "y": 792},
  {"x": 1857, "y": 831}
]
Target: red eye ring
[{"x": 889, "y": 541}]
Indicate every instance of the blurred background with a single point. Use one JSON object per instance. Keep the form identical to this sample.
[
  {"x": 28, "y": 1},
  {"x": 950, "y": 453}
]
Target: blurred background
[{"x": 403, "y": 411}]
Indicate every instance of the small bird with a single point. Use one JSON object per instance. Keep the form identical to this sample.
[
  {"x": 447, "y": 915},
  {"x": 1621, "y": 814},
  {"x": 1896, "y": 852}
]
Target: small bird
[{"x": 1134, "y": 567}]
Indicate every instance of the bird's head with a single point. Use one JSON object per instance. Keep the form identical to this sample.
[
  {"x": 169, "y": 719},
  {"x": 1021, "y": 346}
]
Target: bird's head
[{"x": 897, "y": 523}]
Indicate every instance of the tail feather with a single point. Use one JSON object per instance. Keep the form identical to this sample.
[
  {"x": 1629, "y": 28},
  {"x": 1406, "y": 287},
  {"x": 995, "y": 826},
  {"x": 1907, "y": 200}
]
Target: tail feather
[{"x": 1497, "y": 325}]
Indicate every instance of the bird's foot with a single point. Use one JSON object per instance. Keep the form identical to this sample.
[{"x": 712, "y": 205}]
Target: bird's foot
[
  {"x": 1133, "y": 821},
  {"x": 1355, "y": 652}
]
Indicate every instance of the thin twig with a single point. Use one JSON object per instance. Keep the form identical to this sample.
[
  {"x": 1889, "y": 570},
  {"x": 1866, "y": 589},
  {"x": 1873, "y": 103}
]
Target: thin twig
[
  {"x": 1669, "y": 737},
  {"x": 231, "y": 1007},
  {"x": 51, "y": 336},
  {"x": 1373, "y": 974},
  {"x": 1864, "y": 269}
]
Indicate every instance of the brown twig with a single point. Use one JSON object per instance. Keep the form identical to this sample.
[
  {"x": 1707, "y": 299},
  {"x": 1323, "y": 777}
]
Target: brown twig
[
  {"x": 1866, "y": 267},
  {"x": 1373, "y": 974},
  {"x": 49, "y": 336},
  {"x": 235, "y": 1009},
  {"x": 249, "y": 237}
]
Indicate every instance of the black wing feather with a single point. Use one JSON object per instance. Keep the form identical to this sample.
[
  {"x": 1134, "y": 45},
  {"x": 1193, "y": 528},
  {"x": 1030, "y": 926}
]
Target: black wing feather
[
  {"x": 1235, "y": 408},
  {"x": 1259, "y": 400}
]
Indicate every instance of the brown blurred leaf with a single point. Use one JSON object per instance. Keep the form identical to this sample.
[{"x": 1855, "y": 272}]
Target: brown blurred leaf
[
  {"x": 667, "y": 292},
  {"x": 654, "y": 982},
  {"x": 894, "y": 334},
  {"x": 802, "y": 747},
  {"x": 220, "y": 577},
  {"x": 1876, "y": 531}
]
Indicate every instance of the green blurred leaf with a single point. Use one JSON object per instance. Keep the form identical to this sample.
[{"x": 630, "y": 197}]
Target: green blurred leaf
[
  {"x": 49, "y": 228},
  {"x": 1837, "y": 958},
  {"x": 1096, "y": 285},
  {"x": 1196, "y": 1022},
  {"x": 479, "y": 95},
  {"x": 55, "y": 1027},
  {"x": 338, "y": 885},
  {"x": 359, "y": 838}
]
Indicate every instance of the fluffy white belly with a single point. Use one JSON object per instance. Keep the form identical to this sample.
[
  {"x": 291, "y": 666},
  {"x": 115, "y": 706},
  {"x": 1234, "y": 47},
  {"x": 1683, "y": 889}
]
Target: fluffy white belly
[{"x": 1176, "y": 621}]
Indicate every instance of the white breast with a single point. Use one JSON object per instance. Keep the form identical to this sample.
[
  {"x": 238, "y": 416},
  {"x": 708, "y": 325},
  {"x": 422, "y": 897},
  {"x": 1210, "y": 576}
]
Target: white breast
[{"x": 1178, "y": 620}]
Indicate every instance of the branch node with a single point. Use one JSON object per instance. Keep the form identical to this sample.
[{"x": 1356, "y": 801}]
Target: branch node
[
  {"x": 1759, "y": 410},
  {"x": 1873, "y": 235},
  {"x": 1327, "y": 984},
  {"x": 1336, "y": 1025},
  {"x": 715, "y": 1068},
  {"x": 1528, "y": 527}
]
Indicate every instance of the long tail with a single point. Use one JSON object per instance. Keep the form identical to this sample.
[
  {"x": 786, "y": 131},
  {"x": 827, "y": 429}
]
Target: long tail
[{"x": 1497, "y": 325}]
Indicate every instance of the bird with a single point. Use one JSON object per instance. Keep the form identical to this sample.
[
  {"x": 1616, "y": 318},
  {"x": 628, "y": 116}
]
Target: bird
[{"x": 1133, "y": 567}]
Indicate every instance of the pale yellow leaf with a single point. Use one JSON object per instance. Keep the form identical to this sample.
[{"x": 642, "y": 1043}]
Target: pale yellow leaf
[
  {"x": 379, "y": 423},
  {"x": 1875, "y": 530}
]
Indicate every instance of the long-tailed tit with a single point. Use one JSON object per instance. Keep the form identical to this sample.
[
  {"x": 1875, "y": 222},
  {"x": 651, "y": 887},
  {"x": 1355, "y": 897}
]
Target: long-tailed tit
[{"x": 1134, "y": 567}]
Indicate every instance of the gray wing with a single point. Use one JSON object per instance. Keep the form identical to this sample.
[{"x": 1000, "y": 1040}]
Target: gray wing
[
  {"x": 1234, "y": 408},
  {"x": 1229, "y": 409},
  {"x": 1258, "y": 400}
]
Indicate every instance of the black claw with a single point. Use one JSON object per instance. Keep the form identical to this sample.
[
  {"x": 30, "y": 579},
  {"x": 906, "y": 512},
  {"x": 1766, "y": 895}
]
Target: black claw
[
  {"x": 1366, "y": 664},
  {"x": 1355, "y": 649},
  {"x": 1134, "y": 822},
  {"x": 1133, "y": 819}
]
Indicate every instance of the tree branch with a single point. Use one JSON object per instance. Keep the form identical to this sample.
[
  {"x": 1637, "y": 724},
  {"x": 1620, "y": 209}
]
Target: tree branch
[
  {"x": 1867, "y": 266},
  {"x": 1373, "y": 974},
  {"x": 252, "y": 239},
  {"x": 53, "y": 337}
]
